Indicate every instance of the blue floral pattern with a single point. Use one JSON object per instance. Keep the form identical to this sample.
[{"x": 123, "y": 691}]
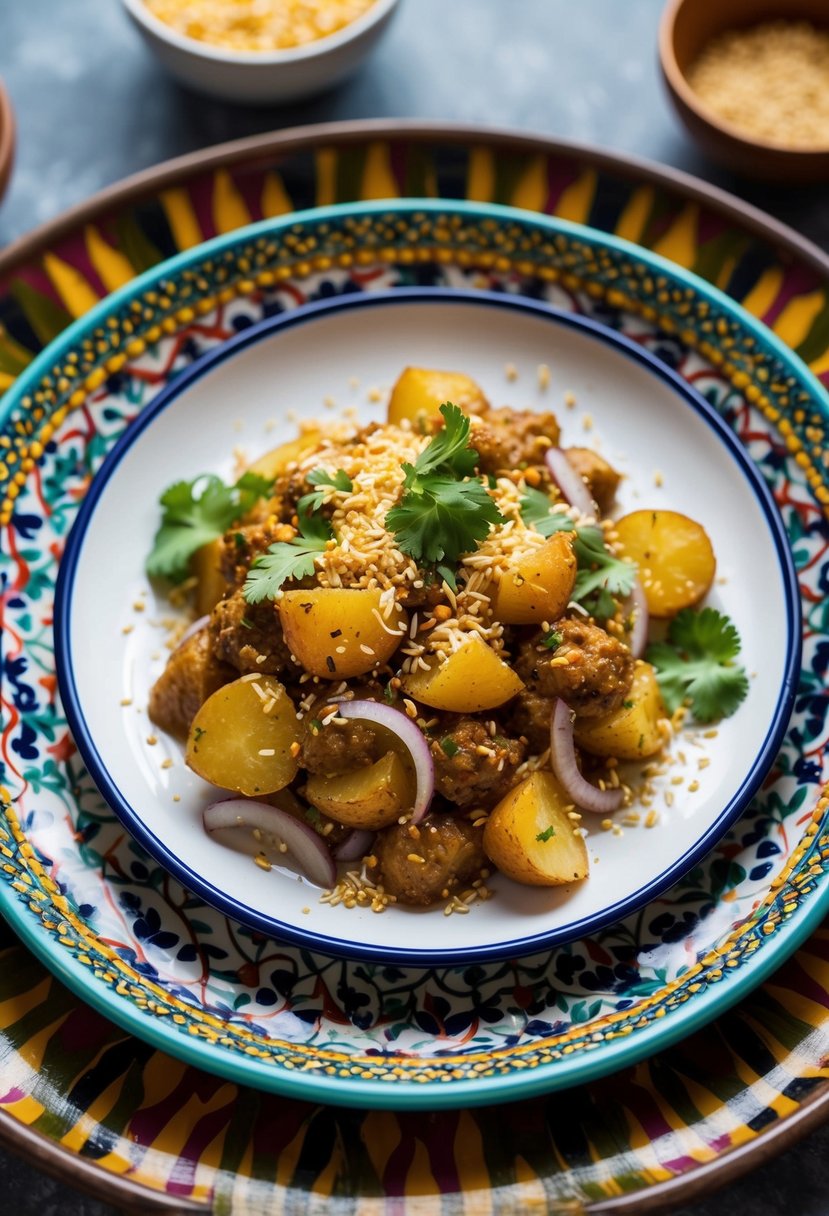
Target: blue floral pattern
[{"x": 277, "y": 993}]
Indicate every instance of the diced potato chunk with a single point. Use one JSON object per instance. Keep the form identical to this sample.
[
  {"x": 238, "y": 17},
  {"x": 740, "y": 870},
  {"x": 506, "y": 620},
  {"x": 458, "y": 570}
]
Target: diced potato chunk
[
  {"x": 420, "y": 392},
  {"x": 368, "y": 798},
  {"x": 674, "y": 555},
  {"x": 530, "y": 838},
  {"x": 632, "y": 731},
  {"x": 242, "y": 737},
  {"x": 472, "y": 678},
  {"x": 276, "y": 461},
  {"x": 338, "y": 633},
  {"x": 211, "y": 585},
  {"x": 540, "y": 587}
]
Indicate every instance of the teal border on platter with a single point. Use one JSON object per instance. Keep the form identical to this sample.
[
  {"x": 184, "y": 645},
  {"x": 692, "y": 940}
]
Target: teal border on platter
[{"x": 568, "y": 1070}]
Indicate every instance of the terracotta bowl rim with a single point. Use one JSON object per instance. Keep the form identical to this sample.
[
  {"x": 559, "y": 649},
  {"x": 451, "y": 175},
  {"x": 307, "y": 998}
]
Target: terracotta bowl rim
[
  {"x": 678, "y": 84},
  {"x": 7, "y": 137}
]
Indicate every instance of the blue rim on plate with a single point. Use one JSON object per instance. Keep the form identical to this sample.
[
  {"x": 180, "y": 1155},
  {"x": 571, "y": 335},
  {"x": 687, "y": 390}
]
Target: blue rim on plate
[
  {"x": 131, "y": 816},
  {"x": 788, "y": 913}
]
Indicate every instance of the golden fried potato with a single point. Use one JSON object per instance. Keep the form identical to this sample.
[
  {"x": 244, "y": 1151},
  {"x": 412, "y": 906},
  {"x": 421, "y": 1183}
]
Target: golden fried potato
[
  {"x": 530, "y": 838},
  {"x": 367, "y": 798},
  {"x": 243, "y": 737},
  {"x": 632, "y": 731},
  {"x": 336, "y": 633},
  {"x": 211, "y": 584},
  {"x": 420, "y": 392},
  {"x": 472, "y": 678},
  {"x": 674, "y": 555},
  {"x": 540, "y": 586},
  {"x": 271, "y": 464}
]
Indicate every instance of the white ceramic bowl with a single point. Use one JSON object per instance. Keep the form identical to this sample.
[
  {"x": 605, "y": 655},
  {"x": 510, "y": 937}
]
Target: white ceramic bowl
[
  {"x": 646, "y": 419},
  {"x": 262, "y": 76}
]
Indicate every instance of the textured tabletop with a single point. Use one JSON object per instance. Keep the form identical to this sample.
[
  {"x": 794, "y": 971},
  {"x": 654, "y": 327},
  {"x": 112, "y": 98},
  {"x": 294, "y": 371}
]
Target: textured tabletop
[{"x": 93, "y": 106}]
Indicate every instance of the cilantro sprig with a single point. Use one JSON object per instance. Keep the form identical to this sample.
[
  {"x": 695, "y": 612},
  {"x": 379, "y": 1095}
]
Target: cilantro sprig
[
  {"x": 696, "y": 663},
  {"x": 445, "y": 510},
  {"x": 321, "y": 477},
  {"x": 537, "y": 511},
  {"x": 286, "y": 560},
  {"x": 602, "y": 577},
  {"x": 195, "y": 513}
]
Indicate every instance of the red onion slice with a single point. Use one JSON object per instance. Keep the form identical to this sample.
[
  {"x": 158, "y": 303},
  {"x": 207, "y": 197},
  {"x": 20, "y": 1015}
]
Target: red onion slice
[
  {"x": 194, "y": 628},
  {"x": 404, "y": 729},
  {"x": 571, "y": 483},
  {"x": 641, "y": 619},
  {"x": 563, "y": 753},
  {"x": 239, "y": 818},
  {"x": 355, "y": 846}
]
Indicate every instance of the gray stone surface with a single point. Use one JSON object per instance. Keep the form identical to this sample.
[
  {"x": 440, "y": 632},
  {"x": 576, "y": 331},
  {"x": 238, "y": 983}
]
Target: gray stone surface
[{"x": 93, "y": 106}]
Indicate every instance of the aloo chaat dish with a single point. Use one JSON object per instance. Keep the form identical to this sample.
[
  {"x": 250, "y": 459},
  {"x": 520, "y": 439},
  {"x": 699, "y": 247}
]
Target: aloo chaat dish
[{"x": 426, "y": 648}]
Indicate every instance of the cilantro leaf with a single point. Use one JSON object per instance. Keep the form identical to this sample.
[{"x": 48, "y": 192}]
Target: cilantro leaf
[
  {"x": 287, "y": 560},
  {"x": 447, "y": 575},
  {"x": 537, "y": 511},
  {"x": 442, "y": 514},
  {"x": 316, "y": 529},
  {"x": 601, "y": 576},
  {"x": 449, "y": 449},
  {"x": 546, "y": 835},
  {"x": 195, "y": 513},
  {"x": 321, "y": 477},
  {"x": 697, "y": 663},
  {"x": 251, "y": 487},
  {"x": 444, "y": 519}
]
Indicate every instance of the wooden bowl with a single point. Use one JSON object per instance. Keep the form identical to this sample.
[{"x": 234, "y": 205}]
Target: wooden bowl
[
  {"x": 686, "y": 27},
  {"x": 7, "y": 130}
]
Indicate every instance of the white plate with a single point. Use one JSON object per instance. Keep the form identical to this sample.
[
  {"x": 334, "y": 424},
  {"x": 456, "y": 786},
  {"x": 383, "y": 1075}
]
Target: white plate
[{"x": 675, "y": 453}]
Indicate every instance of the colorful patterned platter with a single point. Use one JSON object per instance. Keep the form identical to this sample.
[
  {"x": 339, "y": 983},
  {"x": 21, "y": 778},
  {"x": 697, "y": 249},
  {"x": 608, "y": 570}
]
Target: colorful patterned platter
[
  {"x": 240, "y": 396},
  {"x": 100, "y": 1110},
  {"x": 155, "y": 958}
]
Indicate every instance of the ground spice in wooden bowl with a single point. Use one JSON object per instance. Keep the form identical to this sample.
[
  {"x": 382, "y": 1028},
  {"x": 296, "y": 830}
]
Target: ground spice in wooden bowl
[{"x": 770, "y": 81}]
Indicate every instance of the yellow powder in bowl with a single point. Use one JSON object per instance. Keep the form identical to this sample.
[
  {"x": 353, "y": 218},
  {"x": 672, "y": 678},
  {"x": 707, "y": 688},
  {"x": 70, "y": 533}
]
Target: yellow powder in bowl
[
  {"x": 771, "y": 81},
  {"x": 257, "y": 25}
]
